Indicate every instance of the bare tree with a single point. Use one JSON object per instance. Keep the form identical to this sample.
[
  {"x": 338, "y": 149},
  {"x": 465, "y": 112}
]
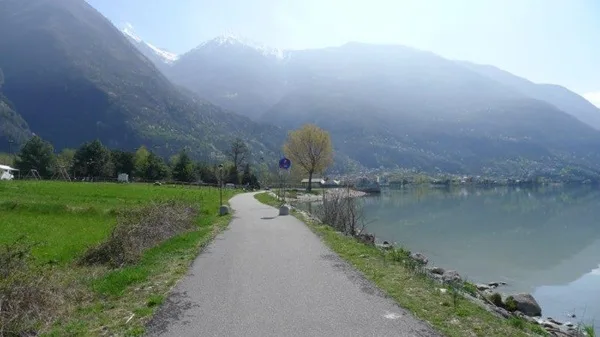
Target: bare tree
[
  {"x": 342, "y": 212},
  {"x": 238, "y": 153}
]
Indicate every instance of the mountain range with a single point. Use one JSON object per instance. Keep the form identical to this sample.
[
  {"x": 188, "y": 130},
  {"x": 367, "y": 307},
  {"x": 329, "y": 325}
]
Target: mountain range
[
  {"x": 71, "y": 76},
  {"x": 390, "y": 105}
]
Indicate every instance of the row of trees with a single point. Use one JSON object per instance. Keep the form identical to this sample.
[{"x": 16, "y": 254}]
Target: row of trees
[
  {"x": 93, "y": 160},
  {"x": 309, "y": 148}
]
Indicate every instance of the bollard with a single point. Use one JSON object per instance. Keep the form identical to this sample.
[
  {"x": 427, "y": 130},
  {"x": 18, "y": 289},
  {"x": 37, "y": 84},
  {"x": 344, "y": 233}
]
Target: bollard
[
  {"x": 224, "y": 210},
  {"x": 284, "y": 210}
]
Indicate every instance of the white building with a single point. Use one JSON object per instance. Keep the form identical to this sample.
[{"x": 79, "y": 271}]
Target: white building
[
  {"x": 315, "y": 182},
  {"x": 6, "y": 172}
]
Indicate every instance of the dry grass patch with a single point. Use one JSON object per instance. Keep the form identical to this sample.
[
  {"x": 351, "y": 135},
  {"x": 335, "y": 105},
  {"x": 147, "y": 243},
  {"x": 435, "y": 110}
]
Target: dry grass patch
[
  {"x": 30, "y": 296},
  {"x": 140, "y": 229}
]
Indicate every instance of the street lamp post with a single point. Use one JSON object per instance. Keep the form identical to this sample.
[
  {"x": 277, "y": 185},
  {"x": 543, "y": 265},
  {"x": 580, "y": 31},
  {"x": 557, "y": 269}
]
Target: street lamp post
[
  {"x": 223, "y": 209},
  {"x": 221, "y": 184},
  {"x": 10, "y": 143}
]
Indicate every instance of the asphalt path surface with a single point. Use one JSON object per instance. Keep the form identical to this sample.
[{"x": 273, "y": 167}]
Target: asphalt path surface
[{"x": 269, "y": 275}]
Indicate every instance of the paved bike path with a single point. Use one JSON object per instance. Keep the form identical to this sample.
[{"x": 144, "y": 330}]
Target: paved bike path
[{"x": 269, "y": 275}]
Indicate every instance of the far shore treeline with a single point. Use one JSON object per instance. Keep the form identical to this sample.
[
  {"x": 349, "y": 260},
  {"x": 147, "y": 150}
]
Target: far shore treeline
[{"x": 94, "y": 161}]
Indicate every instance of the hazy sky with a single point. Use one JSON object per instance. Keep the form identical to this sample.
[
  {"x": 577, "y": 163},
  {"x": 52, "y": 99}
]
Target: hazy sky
[{"x": 550, "y": 41}]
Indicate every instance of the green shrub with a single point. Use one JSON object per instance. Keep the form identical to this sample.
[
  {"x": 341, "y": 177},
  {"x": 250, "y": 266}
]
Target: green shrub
[
  {"x": 510, "y": 304},
  {"x": 589, "y": 330},
  {"x": 496, "y": 299},
  {"x": 470, "y": 288},
  {"x": 454, "y": 290},
  {"x": 398, "y": 254}
]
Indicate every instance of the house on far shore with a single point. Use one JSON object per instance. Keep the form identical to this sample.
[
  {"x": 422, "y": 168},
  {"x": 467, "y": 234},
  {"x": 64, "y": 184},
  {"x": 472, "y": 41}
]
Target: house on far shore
[
  {"x": 315, "y": 182},
  {"x": 332, "y": 183}
]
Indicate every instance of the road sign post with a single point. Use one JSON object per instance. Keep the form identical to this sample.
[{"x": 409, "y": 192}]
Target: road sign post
[{"x": 284, "y": 165}]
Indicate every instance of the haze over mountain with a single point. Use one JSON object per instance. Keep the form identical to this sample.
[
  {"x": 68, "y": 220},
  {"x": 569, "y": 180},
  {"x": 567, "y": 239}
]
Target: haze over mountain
[
  {"x": 71, "y": 76},
  {"x": 559, "y": 96},
  {"x": 74, "y": 77},
  {"x": 389, "y": 105}
]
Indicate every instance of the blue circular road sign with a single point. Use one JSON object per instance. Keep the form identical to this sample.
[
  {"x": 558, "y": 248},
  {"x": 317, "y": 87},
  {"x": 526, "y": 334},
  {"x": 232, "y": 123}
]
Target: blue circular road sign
[{"x": 285, "y": 163}]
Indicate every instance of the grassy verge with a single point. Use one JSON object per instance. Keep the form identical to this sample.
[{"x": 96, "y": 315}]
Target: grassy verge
[
  {"x": 63, "y": 220},
  {"x": 452, "y": 315}
]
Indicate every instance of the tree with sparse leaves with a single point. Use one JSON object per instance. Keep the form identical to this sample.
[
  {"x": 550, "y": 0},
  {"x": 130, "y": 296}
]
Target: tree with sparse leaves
[
  {"x": 310, "y": 149},
  {"x": 36, "y": 154},
  {"x": 238, "y": 153}
]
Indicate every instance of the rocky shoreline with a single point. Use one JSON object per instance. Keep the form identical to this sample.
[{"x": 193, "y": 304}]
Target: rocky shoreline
[{"x": 521, "y": 306}]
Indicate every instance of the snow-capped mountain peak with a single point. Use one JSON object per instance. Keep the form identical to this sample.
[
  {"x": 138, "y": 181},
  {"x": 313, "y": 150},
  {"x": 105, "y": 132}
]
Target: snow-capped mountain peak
[
  {"x": 231, "y": 39},
  {"x": 147, "y": 48},
  {"x": 128, "y": 31}
]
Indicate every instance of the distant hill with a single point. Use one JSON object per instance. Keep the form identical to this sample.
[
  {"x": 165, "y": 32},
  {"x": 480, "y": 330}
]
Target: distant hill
[
  {"x": 74, "y": 77},
  {"x": 560, "y": 97}
]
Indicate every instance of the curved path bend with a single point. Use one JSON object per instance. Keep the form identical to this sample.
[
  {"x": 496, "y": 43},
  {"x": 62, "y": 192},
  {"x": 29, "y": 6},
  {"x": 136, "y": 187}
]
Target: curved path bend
[{"x": 268, "y": 275}]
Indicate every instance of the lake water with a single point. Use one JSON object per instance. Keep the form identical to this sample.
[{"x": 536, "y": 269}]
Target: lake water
[{"x": 544, "y": 241}]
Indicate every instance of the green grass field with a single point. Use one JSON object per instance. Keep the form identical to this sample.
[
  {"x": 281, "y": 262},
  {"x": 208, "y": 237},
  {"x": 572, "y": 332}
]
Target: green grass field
[{"x": 62, "y": 220}]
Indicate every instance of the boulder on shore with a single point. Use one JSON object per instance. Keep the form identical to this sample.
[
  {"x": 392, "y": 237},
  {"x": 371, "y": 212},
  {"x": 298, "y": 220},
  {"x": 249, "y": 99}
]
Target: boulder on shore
[
  {"x": 366, "y": 238},
  {"x": 496, "y": 284},
  {"x": 451, "y": 276},
  {"x": 422, "y": 259},
  {"x": 527, "y": 305},
  {"x": 437, "y": 270},
  {"x": 385, "y": 245}
]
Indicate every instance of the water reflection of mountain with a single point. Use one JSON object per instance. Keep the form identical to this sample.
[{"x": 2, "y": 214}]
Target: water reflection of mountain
[{"x": 528, "y": 237}]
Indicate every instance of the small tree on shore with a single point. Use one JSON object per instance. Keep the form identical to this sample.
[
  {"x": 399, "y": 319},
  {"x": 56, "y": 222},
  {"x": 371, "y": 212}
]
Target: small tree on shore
[{"x": 309, "y": 148}]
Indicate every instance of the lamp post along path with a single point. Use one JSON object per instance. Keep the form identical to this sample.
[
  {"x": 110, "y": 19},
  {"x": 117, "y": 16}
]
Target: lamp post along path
[{"x": 223, "y": 209}]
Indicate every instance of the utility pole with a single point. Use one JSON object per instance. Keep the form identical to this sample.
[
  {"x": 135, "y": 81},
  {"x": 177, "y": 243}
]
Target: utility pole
[{"x": 10, "y": 151}]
